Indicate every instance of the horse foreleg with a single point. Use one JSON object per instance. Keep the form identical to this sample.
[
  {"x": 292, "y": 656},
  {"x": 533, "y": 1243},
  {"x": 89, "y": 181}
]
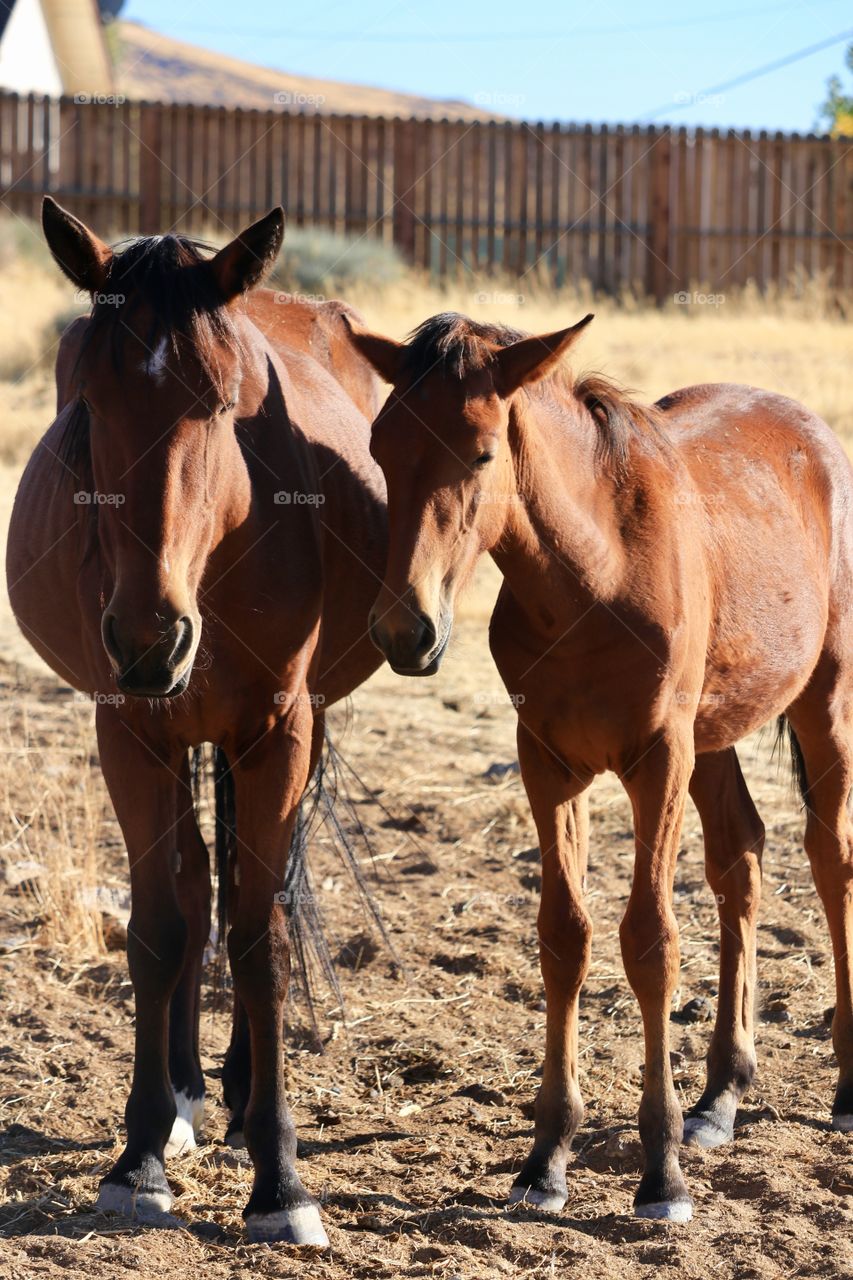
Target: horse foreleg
[
  {"x": 559, "y": 803},
  {"x": 657, "y": 786},
  {"x": 192, "y": 879},
  {"x": 269, "y": 780},
  {"x": 734, "y": 840},
  {"x": 143, "y": 787}
]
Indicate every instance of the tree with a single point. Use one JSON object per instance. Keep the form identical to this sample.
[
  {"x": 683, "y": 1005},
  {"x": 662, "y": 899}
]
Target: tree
[{"x": 837, "y": 110}]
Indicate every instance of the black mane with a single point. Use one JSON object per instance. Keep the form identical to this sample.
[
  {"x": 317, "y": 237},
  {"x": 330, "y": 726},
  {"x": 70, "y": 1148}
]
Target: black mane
[{"x": 457, "y": 346}]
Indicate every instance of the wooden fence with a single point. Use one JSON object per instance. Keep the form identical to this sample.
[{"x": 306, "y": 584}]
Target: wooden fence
[{"x": 656, "y": 210}]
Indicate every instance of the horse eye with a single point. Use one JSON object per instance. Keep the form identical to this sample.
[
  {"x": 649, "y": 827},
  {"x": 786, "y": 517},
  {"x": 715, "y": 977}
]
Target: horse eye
[
  {"x": 226, "y": 408},
  {"x": 483, "y": 459}
]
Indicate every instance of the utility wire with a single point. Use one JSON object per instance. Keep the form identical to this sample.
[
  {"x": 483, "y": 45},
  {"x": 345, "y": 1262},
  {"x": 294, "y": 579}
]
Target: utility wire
[
  {"x": 747, "y": 76},
  {"x": 484, "y": 37}
]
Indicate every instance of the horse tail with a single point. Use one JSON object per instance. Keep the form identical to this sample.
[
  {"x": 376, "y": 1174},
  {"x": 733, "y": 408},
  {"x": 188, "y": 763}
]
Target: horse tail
[
  {"x": 784, "y": 729},
  {"x": 326, "y": 801},
  {"x": 225, "y": 851}
]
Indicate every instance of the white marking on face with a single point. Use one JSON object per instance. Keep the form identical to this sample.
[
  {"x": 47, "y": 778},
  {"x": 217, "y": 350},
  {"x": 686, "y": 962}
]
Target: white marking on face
[{"x": 155, "y": 365}]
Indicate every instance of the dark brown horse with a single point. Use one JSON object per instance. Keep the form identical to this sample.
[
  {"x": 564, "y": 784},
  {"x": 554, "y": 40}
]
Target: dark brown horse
[
  {"x": 196, "y": 542},
  {"x": 673, "y": 578}
]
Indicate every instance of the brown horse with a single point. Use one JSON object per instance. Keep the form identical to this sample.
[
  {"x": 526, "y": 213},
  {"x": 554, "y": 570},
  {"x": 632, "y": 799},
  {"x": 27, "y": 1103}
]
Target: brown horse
[
  {"x": 673, "y": 578},
  {"x": 195, "y": 542}
]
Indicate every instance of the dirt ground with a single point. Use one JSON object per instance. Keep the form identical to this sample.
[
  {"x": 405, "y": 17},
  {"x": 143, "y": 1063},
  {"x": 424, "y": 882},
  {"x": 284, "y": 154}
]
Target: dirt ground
[{"x": 417, "y": 1113}]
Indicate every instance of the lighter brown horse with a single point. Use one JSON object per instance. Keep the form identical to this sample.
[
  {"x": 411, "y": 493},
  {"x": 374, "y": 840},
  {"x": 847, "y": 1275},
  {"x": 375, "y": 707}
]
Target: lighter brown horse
[
  {"x": 674, "y": 577},
  {"x": 196, "y": 542}
]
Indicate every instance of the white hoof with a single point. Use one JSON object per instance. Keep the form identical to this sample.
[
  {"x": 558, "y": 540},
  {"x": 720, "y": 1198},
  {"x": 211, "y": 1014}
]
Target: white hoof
[
  {"x": 547, "y": 1201},
  {"x": 843, "y": 1124},
  {"x": 666, "y": 1211},
  {"x": 699, "y": 1132},
  {"x": 144, "y": 1205},
  {"x": 187, "y": 1126},
  {"x": 301, "y": 1226}
]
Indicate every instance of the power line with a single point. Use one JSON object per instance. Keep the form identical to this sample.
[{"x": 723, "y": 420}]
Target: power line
[
  {"x": 747, "y": 76},
  {"x": 484, "y": 37}
]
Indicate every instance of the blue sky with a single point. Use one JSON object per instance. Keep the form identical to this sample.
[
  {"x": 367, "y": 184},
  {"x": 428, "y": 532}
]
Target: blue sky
[{"x": 611, "y": 61}]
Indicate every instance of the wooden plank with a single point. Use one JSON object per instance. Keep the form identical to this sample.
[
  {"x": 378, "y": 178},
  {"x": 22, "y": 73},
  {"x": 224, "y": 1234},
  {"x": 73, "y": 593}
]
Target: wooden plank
[
  {"x": 404, "y": 181},
  {"x": 659, "y": 276}
]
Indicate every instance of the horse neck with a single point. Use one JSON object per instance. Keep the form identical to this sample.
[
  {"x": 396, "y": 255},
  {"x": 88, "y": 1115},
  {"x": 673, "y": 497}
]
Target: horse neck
[{"x": 560, "y": 526}]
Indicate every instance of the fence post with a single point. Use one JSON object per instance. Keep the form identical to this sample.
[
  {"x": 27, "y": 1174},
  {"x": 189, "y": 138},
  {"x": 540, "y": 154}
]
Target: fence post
[
  {"x": 659, "y": 274},
  {"x": 150, "y": 167},
  {"x": 403, "y": 183}
]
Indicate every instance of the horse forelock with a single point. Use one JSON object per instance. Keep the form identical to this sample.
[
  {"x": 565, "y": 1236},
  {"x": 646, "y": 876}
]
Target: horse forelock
[
  {"x": 167, "y": 278},
  {"x": 455, "y": 346}
]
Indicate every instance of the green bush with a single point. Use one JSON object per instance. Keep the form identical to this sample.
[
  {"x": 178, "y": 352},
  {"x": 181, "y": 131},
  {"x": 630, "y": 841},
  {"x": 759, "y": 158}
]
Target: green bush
[{"x": 318, "y": 262}]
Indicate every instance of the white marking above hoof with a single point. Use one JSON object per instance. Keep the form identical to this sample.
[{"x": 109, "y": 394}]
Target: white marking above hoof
[
  {"x": 300, "y": 1226},
  {"x": 699, "y": 1132},
  {"x": 666, "y": 1211},
  {"x": 187, "y": 1126},
  {"x": 843, "y": 1124},
  {"x": 547, "y": 1201},
  {"x": 147, "y": 1206}
]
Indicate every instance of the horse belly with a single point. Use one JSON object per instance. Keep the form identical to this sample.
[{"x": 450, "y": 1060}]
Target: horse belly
[
  {"x": 43, "y": 558},
  {"x": 763, "y": 650}
]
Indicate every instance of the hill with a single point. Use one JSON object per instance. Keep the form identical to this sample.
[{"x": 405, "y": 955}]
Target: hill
[{"x": 157, "y": 68}]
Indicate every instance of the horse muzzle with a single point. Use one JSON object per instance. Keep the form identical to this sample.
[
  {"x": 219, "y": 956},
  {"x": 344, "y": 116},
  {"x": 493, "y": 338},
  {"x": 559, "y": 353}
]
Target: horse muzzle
[
  {"x": 158, "y": 665},
  {"x": 417, "y": 647}
]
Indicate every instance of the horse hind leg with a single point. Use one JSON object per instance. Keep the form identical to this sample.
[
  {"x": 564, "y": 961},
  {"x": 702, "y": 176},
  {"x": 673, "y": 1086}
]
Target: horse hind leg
[
  {"x": 734, "y": 840},
  {"x": 821, "y": 722}
]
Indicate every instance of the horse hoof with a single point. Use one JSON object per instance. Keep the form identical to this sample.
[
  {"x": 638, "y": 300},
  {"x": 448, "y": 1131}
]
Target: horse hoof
[
  {"x": 666, "y": 1211},
  {"x": 547, "y": 1201},
  {"x": 236, "y": 1139},
  {"x": 146, "y": 1206},
  {"x": 702, "y": 1131},
  {"x": 300, "y": 1226},
  {"x": 843, "y": 1124},
  {"x": 187, "y": 1125}
]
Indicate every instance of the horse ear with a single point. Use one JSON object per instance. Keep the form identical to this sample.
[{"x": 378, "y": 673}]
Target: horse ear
[
  {"x": 76, "y": 250},
  {"x": 533, "y": 358},
  {"x": 246, "y": 260},
  {"x": 384, "y": 354}
]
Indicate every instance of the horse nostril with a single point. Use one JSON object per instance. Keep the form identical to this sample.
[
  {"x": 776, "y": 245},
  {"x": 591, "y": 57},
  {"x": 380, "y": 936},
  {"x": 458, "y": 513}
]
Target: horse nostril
[
  {"x": 427, "y": 637},
  {"x": 183, "y": 643},
  {"x": 111, "y": 644}
]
